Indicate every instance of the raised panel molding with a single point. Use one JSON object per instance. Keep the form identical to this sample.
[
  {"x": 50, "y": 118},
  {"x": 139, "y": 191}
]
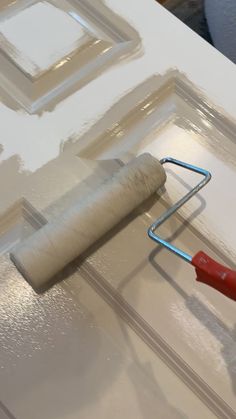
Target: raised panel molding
[
  {"x": 164, "y": 114},
  {"x": 167, "y": 115},
  {"x": 17, "y": 223},
  {"x": 39, "y": 69},
  {"x": 160, "y": 100},
  {"x": 85, "y": 86}
]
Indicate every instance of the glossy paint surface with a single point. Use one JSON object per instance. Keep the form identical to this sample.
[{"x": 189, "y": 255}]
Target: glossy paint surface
[
  {"x": 40, "y": 66},
  {"x": 70, "y": 352},
  {"x": 29, "y": 34}
]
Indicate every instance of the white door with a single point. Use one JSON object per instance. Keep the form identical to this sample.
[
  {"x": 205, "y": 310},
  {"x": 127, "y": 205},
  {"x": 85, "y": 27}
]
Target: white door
[{"x": 128, "y": 332}]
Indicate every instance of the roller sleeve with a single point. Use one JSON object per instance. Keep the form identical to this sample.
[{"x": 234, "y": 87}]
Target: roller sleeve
[{"x": 51, "y": 248}]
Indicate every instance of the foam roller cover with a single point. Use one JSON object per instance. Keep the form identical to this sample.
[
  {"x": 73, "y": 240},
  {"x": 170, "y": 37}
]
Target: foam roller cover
[{"x": 50, "y": 249}]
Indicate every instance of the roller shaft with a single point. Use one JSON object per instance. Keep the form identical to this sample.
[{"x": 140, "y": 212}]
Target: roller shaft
[{"x": 51, "y": 248}]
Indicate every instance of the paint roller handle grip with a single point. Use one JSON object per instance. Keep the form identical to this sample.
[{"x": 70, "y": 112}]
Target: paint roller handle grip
[{"x": 215, "y": 275}]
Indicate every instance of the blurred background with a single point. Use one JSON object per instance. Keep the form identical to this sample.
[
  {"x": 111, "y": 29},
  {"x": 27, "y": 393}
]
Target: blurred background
[{"x": 213, "y": 20}]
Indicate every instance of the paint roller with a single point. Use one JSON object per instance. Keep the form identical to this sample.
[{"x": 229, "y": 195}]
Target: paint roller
[{"x": 49, "y": 250}]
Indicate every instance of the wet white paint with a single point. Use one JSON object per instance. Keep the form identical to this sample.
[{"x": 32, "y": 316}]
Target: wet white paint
[
  {"x": 37, "y": 139},
  {"x": 68, "y": 349},
  {"x": 40, "y": 35}
]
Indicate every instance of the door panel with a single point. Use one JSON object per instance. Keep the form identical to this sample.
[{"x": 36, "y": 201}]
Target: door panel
[
  {"x": 127, "y": 332},
  {"x": 40, "y": 66}
]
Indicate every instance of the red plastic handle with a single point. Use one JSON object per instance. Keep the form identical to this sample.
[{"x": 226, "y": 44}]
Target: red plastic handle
[{"x": 215, "y": 275}]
